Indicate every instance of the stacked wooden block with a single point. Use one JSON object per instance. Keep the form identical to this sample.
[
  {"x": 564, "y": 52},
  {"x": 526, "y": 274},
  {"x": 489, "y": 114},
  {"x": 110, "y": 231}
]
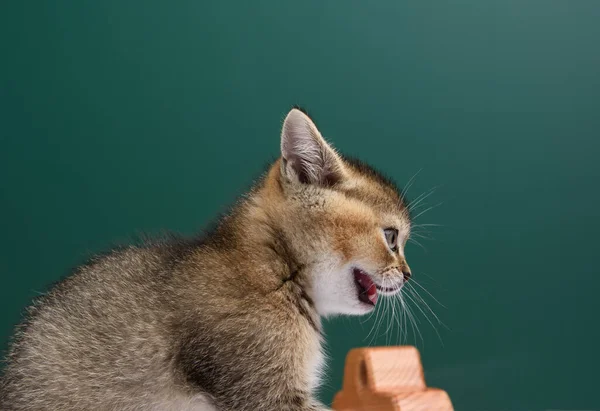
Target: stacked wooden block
[{"x": 387, "y": 379}]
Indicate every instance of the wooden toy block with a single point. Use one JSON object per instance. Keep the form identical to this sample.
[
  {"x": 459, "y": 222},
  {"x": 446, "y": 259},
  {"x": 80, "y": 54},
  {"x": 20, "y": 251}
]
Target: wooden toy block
[{"x": 387, "y": 379}]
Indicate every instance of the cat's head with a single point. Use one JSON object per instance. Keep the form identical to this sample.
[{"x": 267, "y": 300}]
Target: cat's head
[{"x": 346, "y": 224}]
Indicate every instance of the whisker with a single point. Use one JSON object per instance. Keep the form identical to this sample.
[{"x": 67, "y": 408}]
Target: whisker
[
  {"x": 398, "y": 321},
  {"x": 417, "y": 243},
  {"x": 429, "y": 277},
  {"x": 409, "y": 184},
  {"x": 378, "y": 322},
  {"x": 427, "y": 209},
  {"x": 395, "y": 317},
  {"x": 412, "y": 206},
  {"x": 404, "y": 318},
  {"x": 373, "y": 326},
  {"x": 416, "y": 322},
  {"x": 419, "y": 298},
  {"x": 401, "y": 319},
  {"x": 426, "y": 225},
  {"x": 420, "y": 236},
  {"x": 387, "y": 304},
  {"x": 420, "y": 232},
  {"x": 413, "y": 323},
  {"x": 424, "y": 289},
  {"x": 426, "y": 317},
  {"x": 389, "y": 337},
  {"x": 369, "y": 317},
  {"x": 420, "y": 229}
]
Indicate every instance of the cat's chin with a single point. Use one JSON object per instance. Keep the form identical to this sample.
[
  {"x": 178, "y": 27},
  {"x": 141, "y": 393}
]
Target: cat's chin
[
  {"x": 365, "y": 308},
  {"x": 356, "y": 294},
  {"x": 357, "y": 310}
]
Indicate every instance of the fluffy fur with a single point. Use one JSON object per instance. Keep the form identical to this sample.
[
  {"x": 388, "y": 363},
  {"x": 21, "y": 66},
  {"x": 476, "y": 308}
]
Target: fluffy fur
[{"x": 229, "y": 322}]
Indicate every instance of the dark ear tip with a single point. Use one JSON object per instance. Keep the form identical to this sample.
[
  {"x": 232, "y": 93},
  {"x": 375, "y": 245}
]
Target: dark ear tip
[
  {"x": 296, "y": 107},
  {"x": 303, "y": 110}
]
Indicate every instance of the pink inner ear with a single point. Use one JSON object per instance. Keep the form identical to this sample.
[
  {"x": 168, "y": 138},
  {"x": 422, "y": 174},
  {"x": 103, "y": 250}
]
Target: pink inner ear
[{"x": 307, "y": 153}]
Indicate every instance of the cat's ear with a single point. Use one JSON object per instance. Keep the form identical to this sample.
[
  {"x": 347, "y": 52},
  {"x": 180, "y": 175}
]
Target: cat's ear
[{"x": 306, "y": 156}]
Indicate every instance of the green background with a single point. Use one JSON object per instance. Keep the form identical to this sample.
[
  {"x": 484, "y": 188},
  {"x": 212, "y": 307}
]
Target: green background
[{"x": 121, "y": 117}]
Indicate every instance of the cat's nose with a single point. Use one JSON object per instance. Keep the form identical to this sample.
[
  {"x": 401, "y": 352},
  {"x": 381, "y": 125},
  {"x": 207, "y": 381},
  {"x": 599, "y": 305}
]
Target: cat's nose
[
  {"x": 406, "y": 273},
  {"x": 405, "y": 269}
]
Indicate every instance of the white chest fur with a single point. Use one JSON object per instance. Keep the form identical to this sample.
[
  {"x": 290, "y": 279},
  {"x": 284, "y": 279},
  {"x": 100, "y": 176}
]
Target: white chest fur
[{"x": 315, "y": 366}]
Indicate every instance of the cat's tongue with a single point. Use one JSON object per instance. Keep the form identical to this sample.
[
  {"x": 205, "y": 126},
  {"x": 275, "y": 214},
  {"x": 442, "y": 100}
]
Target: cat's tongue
[{"x": 368, "y": 285}]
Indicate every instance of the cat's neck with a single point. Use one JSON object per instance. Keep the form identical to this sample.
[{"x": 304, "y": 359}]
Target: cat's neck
[{"x": 249, "y": 247}]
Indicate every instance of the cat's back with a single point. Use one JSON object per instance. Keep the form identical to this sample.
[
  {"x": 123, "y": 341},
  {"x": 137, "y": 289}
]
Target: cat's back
[{"x": 102, "y": 329}]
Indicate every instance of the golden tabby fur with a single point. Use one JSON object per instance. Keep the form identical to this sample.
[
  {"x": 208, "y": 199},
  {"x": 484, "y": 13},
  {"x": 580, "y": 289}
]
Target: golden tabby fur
[{"x": 228, "y": 322}]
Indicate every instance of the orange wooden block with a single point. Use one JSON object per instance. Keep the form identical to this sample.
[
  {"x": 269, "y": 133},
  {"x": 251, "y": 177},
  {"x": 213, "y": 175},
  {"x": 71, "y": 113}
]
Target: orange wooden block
[{"x": 387, "y": 379}]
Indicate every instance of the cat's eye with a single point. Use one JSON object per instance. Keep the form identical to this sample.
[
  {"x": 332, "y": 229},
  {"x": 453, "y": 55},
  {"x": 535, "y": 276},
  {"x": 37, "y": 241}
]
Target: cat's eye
[{"x": 391, "y": 236}]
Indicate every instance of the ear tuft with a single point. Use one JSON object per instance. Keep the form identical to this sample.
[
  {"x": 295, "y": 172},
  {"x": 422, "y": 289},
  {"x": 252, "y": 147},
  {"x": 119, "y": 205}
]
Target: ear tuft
[{"x": 307, "y": 157}]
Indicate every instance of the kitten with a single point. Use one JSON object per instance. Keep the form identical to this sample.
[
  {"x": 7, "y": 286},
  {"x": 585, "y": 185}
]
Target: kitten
[{"x": 229, "y": 322}]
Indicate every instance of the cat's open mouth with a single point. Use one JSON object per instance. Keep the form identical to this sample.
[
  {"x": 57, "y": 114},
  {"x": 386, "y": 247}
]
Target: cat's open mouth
[{"x": 368, "y": 290}]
